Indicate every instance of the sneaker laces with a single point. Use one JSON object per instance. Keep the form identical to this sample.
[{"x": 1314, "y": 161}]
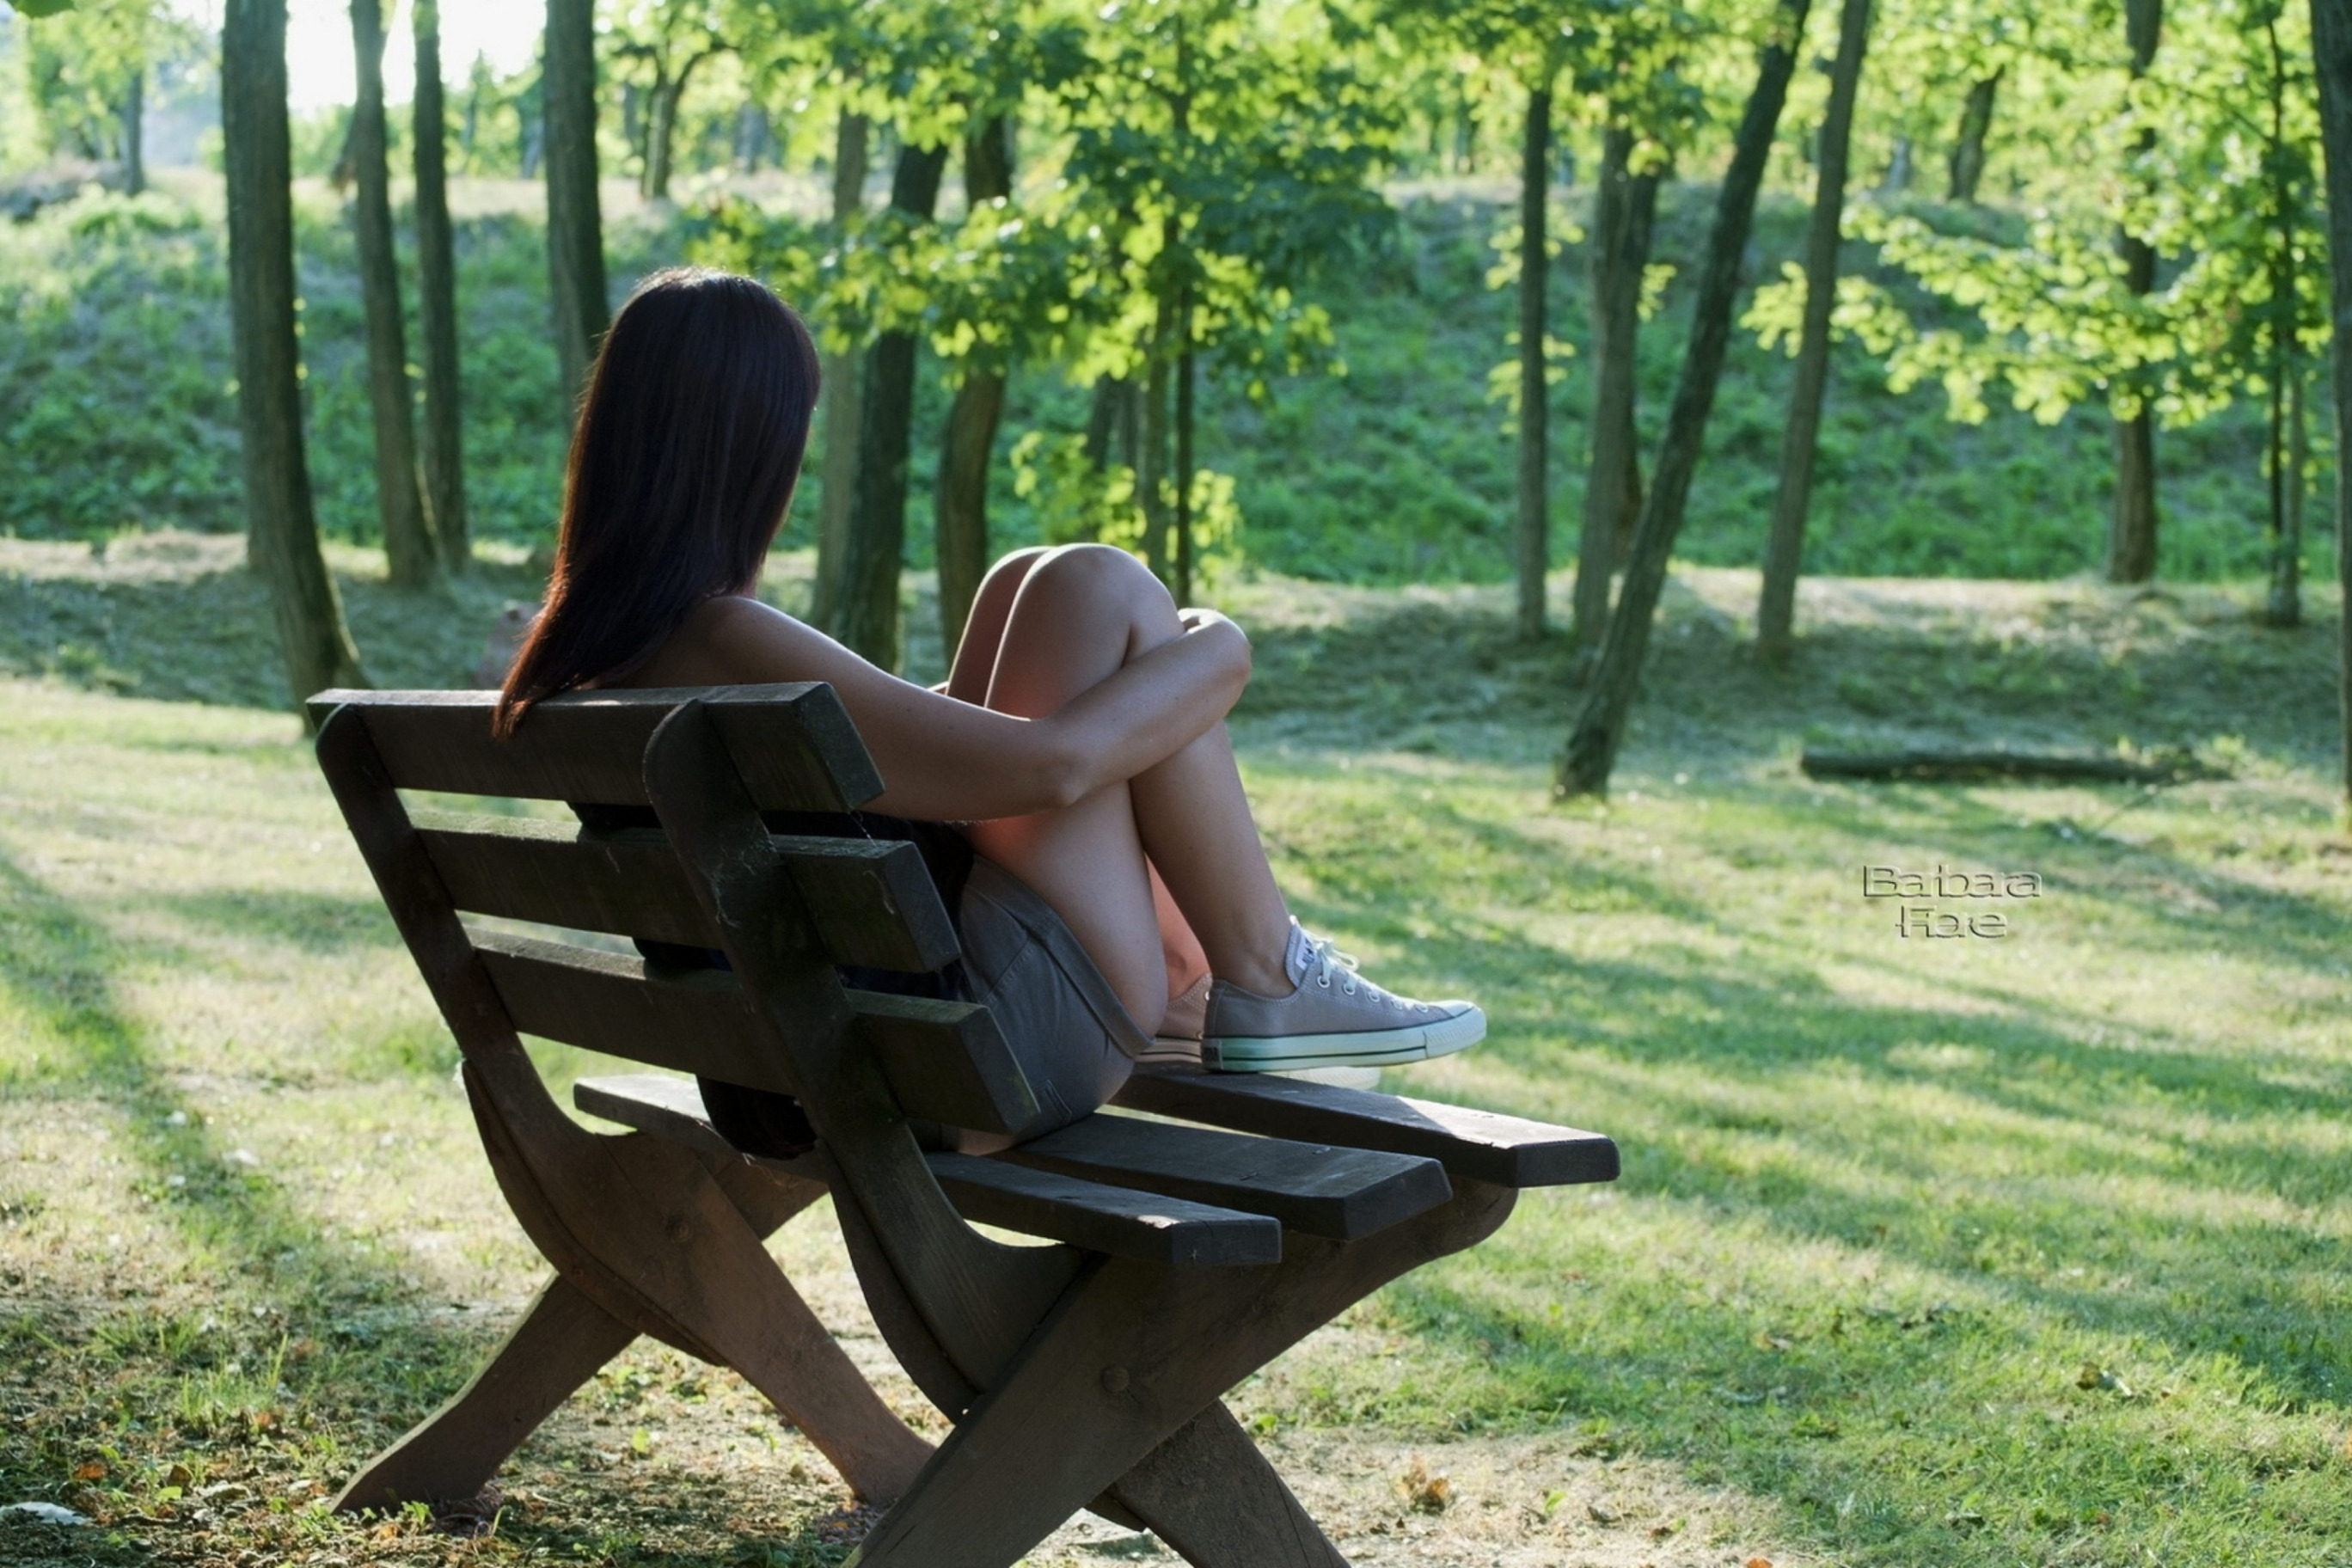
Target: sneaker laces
[{"x": 1324, "y": 959}]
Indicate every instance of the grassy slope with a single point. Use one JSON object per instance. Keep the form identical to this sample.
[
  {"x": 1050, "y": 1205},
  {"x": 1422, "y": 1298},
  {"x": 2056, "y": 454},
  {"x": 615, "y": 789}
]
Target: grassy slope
[
  {"x": 116, "y": 413},
  {"x": 1967, "y": 1254}
]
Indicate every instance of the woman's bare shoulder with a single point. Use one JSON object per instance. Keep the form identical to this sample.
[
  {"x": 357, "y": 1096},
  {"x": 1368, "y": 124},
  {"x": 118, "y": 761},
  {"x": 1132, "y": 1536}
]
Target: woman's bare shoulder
[{"x": 732, "y": 639}]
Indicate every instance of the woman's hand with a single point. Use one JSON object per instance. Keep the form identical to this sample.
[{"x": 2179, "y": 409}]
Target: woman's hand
[{"x": 1201, "y": 622}]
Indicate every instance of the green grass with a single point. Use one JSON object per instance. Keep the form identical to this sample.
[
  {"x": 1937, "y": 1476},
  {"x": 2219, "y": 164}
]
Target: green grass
[
  {"x": 117, "y": 411},
  {"x": 1970, "y": 1253}
]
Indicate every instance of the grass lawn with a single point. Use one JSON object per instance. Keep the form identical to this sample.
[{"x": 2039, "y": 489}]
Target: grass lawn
[{"x": 1959, "y": 1253}]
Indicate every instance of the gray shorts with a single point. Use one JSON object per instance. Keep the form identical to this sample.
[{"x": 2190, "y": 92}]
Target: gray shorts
[{"x": 1073, "y": 1037}]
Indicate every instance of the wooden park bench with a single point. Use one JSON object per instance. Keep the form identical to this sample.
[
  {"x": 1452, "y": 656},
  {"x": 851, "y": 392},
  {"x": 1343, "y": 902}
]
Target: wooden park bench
[{"x": 1192, "y": 1246}]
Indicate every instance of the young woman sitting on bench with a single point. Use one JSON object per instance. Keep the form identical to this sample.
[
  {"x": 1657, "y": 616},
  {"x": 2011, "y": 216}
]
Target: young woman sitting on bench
[{"x": 1106, "y": 879}]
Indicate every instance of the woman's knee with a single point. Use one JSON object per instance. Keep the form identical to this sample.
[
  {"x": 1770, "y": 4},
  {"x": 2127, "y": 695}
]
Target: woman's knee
[
  {"x": 1100, "y": 578},
  {"x": 1014, "y": 565}
]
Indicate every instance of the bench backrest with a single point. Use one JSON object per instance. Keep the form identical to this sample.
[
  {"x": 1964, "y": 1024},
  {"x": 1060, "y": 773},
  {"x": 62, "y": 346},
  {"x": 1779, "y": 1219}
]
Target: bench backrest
[{"x": 858, "y": 901}]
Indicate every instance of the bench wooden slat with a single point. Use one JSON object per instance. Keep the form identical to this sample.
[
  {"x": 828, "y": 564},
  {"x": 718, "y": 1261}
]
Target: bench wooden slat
[
  {"x": 1479, "y": 1145},
  {"x": 696, "y": 1022},
  {"x": 1115, "y": 1220},
  {"x": 629, "y": 884},
  {"x": 669, "y": 1108},
  {"x": 873, "y": 899},
  {"x": 1123, "y": 1223},
  {"x": 1338, "y": 1193},
  {"x": 793, "y": 742},
  {"x": 945, "y": 1061}
]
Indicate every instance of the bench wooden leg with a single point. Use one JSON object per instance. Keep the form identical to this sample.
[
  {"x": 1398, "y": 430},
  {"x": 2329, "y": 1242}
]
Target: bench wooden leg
[
  {"x": 562, "y": 1340},
  {"x": 1133, "y": 1352},
  {"x": 1209, "y": 1493},
  {"x": 763, "y": 1330}
]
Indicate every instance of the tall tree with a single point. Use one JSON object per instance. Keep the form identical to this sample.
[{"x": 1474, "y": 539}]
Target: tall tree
[
  {"x": 2285, "y": 178},
  {"x": 1784, "y": 548},
  {"x": 960, "y": 508},
  {"x": 400, "y": 505},
  {"x": 1591, "y": 750},
  {"x": 2331, "y": 33},
  {"x": 867, "y": 617},
  {"x": 838, "y": 478},
  {"x": 1532, "y": 539},
  {"x": 837, "y": 482},
  {"x": 1624, "y": 205},
  {"x": 575, "y": 227},
  {"x": 436, "y": 301},
  {"x": 1968, "y": 161},
  {"x": 1531, "y": 44},
  {"x": 282, "y": 532},
  {"x": 666, "y": 41},
  {"x": 86, "y": 65},
  {"x": 134, "y": 132},
  {"x": 2131, "y": 534}
]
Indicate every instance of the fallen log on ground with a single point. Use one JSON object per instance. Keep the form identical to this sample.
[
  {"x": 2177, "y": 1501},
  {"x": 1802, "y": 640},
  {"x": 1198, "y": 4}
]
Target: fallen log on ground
[{"x": 1946, "y": 767}]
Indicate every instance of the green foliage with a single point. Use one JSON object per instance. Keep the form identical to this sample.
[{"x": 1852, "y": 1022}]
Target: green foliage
[
  {"x": 81, "y": 59},
  {"x": 2219, "y": 145},
  {"x": 1070, "y": 498},
  {"x": 1395, "y": 473}
]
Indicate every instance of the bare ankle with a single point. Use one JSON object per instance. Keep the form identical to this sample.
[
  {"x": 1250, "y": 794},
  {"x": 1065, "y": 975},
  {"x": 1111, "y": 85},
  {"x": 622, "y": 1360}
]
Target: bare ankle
[{"x": 1256, "y": 972}]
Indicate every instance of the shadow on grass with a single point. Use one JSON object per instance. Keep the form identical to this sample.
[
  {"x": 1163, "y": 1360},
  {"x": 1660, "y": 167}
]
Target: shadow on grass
[
  {"x": 2076, "y": 675},
  {"x": 202, "y": 634},
  {"x": 1745, "y": 1045},
  {"x": 314, "y": 922},
  {"x": 309, "y": 1351}
]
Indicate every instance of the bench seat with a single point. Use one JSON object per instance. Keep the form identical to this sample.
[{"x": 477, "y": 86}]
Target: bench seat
[{"x": 1055, "y": 1206}]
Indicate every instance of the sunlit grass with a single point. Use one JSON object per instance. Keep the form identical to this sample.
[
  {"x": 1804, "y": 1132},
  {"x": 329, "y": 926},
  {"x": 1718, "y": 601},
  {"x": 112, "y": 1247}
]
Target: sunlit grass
[{"x": 1958, "y": 1253}]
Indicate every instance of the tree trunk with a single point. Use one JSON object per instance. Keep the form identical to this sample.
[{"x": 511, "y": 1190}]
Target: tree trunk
[
  {"x": 661, "y": 130},
  {"x": 1591, "y": 750},
  {"x": 1897, "y": 178},
  {"x": 653, "y": 179},
  {"x": 878, "y": 524},
  {"x": 1533, "y": 548},
  {"x": 1968, "y": 148},
  {"x": 960, "y": 508},
  {"x": 436, "y": 302},
  {"x": 1151, "y": 462},
  {"x": 575, "y": 227},
  {"x": 282, "y": 532},
  {"x": 1187, "y": 371},
  {"x": 753, "y": 136},
  {"x": 134, "y": 132},
  {"x": 408, "y": 540},
  {"x": 2131, "y": 535},
  {"x": 1623, "y": 207},
  {"x": 2285, "y": 607},
  {"x": 1103, "y": 410},
  {"x": 2331, "y": 30},
  {"x": 837, "y": 480},
  {"x": 1784, "y": 548}
]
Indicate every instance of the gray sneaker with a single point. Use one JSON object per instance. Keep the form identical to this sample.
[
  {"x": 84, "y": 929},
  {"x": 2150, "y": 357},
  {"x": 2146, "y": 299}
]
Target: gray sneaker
[
  {"x": 1336, "y": 1018},
  {"x": 1178, "y": 1043}
]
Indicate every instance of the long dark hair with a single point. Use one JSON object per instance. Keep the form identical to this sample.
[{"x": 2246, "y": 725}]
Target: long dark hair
[{"x": 682, "y": 464}]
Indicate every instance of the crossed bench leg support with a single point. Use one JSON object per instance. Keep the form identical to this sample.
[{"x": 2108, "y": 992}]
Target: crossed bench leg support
[
  {"x": 579, "y": 1321},
  {"x": 1125, "y": 1374}
]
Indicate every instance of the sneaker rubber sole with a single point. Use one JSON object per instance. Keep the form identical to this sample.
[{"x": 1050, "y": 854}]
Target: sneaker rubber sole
[{"x": 1370, "y": 1048}]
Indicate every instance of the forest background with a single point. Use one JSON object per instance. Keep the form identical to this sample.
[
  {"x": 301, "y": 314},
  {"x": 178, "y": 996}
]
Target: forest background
[
  {"x": 1362, "y": 419},
  {"x": 1854, "y": 378}
]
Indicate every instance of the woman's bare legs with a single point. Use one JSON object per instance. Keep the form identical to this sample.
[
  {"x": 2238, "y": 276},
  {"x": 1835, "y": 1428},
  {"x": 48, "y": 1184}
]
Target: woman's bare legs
[{"x": 1045, "y": 625}]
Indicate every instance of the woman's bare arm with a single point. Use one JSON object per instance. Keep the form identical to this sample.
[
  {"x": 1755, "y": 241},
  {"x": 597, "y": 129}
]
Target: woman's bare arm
[{"x": 946, "y": 760}]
